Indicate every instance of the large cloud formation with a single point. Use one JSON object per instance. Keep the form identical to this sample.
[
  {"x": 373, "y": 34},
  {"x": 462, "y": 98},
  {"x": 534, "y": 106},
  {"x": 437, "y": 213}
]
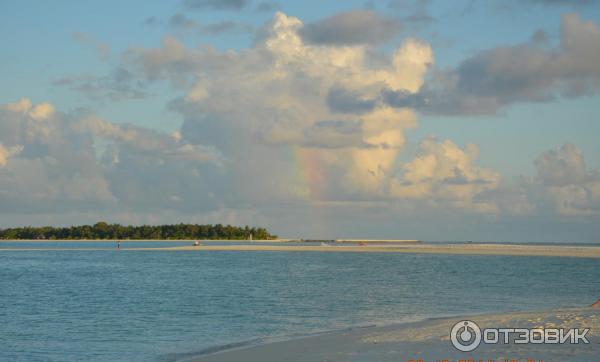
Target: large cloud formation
[
  {"x": 275, "y": 95},
  {"x": 290, "y": 125},
  {"x": 498, "y": 77},
  {"x": 322, "y": 104},
  {"x": 51, "y": 161}
]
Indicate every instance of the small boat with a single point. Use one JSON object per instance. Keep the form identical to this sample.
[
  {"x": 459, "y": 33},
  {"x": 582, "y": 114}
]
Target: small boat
[{"x": 196, "y": 243}]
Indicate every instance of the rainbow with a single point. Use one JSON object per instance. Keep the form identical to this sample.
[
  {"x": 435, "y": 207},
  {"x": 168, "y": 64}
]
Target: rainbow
[
  {"x": 310, "y": 172},
  {"x": 311, "y": 178}
]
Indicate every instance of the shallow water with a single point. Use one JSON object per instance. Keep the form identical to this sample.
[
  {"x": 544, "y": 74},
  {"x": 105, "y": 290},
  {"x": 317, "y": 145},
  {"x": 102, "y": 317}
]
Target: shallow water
[
  {"x": 75, "y": 244},
  {"x": 100, "y": 244},
  {"x": 148, "y": 305}
]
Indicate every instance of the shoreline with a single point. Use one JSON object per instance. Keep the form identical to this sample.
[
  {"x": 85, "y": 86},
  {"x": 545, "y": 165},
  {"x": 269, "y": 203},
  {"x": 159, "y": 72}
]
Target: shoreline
[
  {"x": 419, "y": 248},
  {"x": 295, "y": 241},
  {"x": 449, "y": 249},
  {"x": 426, "y": 339}
]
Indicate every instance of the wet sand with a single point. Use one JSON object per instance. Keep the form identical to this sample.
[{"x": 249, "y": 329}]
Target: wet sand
[{"x": 429, "y": 340}]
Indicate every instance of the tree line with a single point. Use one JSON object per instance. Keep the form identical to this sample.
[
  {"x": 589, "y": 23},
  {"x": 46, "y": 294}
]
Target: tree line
[{"x": 103, "y": 230}]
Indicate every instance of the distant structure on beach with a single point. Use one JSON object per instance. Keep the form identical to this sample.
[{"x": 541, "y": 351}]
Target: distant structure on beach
[
  {"x": 365, "y": 241},
  {"x": 377, "y": 241}
]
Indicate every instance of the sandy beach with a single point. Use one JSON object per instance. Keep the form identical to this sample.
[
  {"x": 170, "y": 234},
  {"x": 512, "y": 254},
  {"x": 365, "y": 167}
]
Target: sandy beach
[
  {"x": 464, "y": 249},
  {"x": 428, "y": 248},
  {"x": 429, "y": 341}
]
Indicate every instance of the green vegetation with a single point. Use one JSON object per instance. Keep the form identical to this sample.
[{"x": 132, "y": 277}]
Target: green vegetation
[{"x": 103, "y": 230}]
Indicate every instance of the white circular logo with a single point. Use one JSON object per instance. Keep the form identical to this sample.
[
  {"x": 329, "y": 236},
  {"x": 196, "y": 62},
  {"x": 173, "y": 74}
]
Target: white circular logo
[{"x": 465, "y": 336}]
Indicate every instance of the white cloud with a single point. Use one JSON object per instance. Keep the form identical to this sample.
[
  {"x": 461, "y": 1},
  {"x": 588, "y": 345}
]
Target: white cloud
[
  {"x": 51, "y": 166},
  {"x": 6, "y": 153},
  {"x": 249, "y": 103},
  {"x": 564, "y": 184},
  {"x": 39, "y": 112},
  {"x": 281, "y": 116},
  {"x": 49, "y": 161},
  {"x": 42, "y": 111},
  {"x": 501, "y": 76},
  {"x": 444, "y": 173}
]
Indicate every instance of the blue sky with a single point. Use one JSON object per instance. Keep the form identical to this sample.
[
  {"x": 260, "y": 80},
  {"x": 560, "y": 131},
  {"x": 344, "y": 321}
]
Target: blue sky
[{"x": 422, "y": 109}]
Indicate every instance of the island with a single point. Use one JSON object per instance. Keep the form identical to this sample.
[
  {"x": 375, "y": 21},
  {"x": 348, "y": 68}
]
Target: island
[{"x": 104, "y": 231}]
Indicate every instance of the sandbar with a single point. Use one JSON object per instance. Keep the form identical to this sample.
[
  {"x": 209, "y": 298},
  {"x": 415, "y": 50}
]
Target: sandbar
[{"x": 420, "y": 248}]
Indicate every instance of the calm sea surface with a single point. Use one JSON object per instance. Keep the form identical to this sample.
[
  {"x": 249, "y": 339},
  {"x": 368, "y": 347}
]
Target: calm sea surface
[{"x": 108, "y": 305}]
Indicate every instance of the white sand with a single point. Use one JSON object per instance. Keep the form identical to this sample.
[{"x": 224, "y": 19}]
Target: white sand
[
  {"x": 429, "y": 340},
  {"x": 465, "y": 249}
]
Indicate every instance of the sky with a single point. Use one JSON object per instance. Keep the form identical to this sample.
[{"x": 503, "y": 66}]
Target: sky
[{"x": 401, "y": 119}]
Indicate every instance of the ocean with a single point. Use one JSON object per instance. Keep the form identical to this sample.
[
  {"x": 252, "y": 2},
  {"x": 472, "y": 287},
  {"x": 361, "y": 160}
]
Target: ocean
[{"x": 109, "y": 305}]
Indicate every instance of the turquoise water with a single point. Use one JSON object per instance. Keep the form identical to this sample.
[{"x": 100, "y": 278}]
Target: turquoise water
[
  {"x": 162, "y": 306},
  {"x": 66, "y": 244},
  {"x": 74, "y": 244}
]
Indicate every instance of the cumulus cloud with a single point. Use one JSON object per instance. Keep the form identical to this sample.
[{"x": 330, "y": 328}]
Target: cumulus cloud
[
  {"x": 496, "y": 78},
  {"x": 442, "y": 172},
  {"x": 41, "y": 111},
  {"x": 351, "y": 28},
  {"x": 285, "y": 92},
  {"x": 561, "y": 167},
  {"x": 50, "y": 160},
  {"x": 6, "y": 153},
  {"x": 564, "y": 184},
  {"x": 146, "y": 140},
  {"x": 54, "y": 167},
  {"x": 321, "y": 106}
]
